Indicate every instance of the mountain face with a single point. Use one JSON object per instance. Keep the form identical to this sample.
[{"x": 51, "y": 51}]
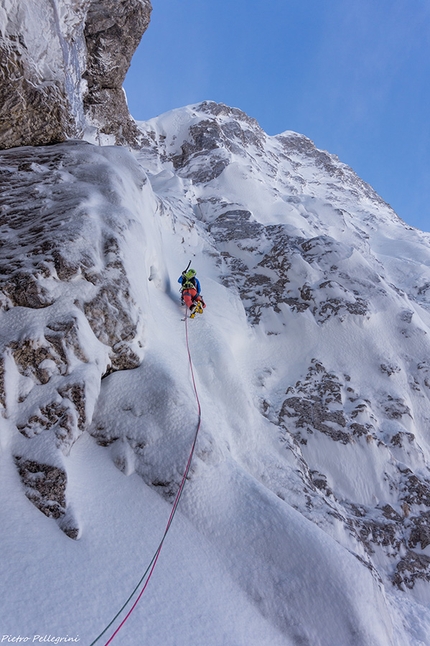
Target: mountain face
[
  {"x": 62, "y": 65},
  {"x": 306, "y": 515}
]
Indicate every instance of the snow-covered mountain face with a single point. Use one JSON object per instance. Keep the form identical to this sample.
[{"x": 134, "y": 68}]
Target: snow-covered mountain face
[
  {"x": 306, "y": 518},
  {"x": 62, "y": 65}
]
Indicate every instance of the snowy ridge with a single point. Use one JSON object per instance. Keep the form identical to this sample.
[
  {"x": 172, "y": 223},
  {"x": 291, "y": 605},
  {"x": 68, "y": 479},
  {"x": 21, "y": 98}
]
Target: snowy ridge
[{"x": 306, "y": 516}]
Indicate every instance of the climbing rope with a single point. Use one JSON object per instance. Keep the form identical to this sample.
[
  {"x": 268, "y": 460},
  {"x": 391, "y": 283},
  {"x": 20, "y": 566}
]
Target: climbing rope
[{"x": 151, "y": 567}]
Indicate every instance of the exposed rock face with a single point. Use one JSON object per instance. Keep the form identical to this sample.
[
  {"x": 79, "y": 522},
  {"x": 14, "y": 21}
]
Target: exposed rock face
[
  {"x": 328, "y": 403},
  {"x": 40, "y": 77},
  {"x": 112, "y": 31},
  {"x": 80, "y": 63}
]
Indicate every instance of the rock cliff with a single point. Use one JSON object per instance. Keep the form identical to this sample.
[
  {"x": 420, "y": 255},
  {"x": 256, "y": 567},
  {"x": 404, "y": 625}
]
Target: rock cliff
[{"x": 53, "y": 86}]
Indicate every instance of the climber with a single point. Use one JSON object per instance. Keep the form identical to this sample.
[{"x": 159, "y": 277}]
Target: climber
[{"x": 190, "y": 292}]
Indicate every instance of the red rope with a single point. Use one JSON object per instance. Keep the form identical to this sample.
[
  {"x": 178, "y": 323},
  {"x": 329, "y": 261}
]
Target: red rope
[{"x": 178, "y": 495}]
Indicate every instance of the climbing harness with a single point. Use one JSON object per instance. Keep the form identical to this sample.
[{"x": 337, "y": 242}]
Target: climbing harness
[{"x": 151, "y": 567}]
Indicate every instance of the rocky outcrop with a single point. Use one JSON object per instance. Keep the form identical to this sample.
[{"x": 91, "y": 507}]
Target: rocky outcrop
[
  {"x": 113, "y": 29},
  {"x": 40, "y": 78},
  {"x": 48, "y": 84},
  {"x": 327, "y": 403}
]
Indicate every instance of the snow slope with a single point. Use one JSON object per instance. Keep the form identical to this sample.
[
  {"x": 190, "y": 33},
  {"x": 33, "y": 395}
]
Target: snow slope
[{"x": 306, "y": 517}]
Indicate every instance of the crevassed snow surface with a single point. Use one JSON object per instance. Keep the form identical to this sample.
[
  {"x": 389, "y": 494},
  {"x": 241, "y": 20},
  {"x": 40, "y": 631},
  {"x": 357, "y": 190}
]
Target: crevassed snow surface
[{"x": 304, "y": 517}]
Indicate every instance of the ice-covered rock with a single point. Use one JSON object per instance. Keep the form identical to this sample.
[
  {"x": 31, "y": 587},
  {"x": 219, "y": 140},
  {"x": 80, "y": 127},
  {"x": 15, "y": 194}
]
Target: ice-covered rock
[{"x": 62, "y": 65}]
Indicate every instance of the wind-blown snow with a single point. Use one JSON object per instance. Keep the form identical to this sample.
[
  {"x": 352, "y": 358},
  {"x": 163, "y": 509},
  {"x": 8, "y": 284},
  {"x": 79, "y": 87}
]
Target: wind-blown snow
[{"x": 305, "y": 517}]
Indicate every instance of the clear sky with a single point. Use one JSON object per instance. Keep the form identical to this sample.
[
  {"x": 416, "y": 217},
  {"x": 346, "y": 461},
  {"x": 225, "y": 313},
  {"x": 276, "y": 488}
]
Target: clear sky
[{"x": 353, "y": 75}]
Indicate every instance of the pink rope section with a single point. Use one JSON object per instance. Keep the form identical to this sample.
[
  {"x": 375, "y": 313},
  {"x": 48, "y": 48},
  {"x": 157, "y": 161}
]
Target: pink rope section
[{"x": 178, "y": 495}]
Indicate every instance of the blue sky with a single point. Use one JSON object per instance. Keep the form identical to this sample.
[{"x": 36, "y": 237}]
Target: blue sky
[{"x": 353, "y": 75}]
